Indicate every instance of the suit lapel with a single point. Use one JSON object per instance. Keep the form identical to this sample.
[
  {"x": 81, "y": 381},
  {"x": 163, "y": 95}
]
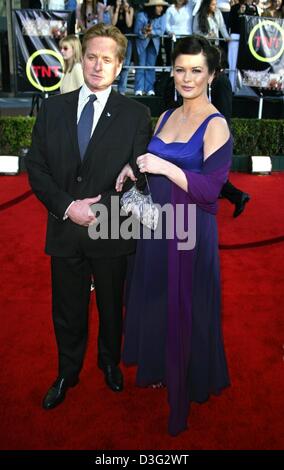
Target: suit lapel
[
  {"x": 71, "y": 106},
  {"x": 107, "y": 117}
]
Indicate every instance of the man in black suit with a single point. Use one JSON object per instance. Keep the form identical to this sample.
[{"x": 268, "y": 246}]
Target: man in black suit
[
  {"x": 81, "y": 141},
  {"x": 222, "y": 99}
]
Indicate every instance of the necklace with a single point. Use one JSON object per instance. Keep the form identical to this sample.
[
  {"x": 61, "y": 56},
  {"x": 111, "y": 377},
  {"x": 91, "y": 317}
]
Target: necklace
[{"x": 184, "y": 117}]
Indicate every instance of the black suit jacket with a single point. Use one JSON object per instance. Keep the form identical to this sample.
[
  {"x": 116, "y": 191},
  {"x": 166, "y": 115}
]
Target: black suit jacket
[
  {"x": 57, "y": 175},
  {"x": 222, "y": 95}
]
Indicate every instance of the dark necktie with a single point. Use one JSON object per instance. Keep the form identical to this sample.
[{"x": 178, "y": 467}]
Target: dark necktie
[{"x": 85, "y": 124}]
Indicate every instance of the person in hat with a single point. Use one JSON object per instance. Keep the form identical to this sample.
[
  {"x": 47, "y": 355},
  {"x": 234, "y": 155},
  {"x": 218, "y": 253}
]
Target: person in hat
[{"x": 150, "y": 25}]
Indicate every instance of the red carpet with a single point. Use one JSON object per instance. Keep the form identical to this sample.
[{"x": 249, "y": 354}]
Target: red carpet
[{"x": 249, "y": 415}]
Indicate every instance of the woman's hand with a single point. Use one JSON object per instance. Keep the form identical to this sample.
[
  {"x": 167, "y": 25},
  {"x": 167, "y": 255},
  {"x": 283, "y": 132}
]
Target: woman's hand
[
  {"x": 147, "y": 30},
  {"x": 149, "y": 163},
  {"x": 125, "y": 173}
]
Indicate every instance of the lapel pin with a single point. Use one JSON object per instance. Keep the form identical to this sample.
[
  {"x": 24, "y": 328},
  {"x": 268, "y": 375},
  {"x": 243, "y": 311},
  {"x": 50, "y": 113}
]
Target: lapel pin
[{"x": 108, "y": 115}]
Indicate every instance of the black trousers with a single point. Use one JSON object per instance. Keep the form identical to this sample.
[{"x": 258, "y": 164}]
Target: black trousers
[
  {"x": 71, "y": 278},
  {"x": 230, "y": 192}
]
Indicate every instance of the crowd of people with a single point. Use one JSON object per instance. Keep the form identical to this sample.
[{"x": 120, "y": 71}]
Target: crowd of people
[
  {"x": 157, "y": 23},
  {"x": 172, "y": 296}
]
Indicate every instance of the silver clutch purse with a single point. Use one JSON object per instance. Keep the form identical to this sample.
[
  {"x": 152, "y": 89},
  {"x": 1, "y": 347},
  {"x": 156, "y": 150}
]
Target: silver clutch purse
[{"x": 141, "y": 206}]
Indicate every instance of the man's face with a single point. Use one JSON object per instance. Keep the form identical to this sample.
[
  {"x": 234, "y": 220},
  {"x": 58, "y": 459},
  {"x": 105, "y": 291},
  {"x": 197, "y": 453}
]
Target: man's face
[{"x": 100, "y": 63}]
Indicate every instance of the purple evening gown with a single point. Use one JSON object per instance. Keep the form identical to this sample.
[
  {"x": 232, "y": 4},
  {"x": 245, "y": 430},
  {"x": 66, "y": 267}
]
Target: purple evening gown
[{"x": 173, "y": 312}]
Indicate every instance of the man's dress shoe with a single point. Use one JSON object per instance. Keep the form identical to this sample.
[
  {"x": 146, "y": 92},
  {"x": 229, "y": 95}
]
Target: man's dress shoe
[
  {"x": 240, "y": 205},
  {"x": 56, "y": 394},
  {"x": 113, "y": 377}
]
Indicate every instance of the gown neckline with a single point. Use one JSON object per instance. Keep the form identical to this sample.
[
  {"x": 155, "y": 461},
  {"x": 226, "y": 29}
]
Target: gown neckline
[{"x": 191, "y": 137}]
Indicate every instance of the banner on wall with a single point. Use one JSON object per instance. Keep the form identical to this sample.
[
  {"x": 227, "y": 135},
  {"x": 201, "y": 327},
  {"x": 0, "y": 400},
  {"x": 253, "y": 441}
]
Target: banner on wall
[
  {"x": 261, "y": 52},
  {"x": 39, "y": 64}
]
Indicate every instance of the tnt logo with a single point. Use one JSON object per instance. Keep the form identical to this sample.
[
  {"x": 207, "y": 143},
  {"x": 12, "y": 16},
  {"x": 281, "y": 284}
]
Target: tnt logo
[
  {"x": 267, "y": 38},
  {"x": 42, "y": 71},
  {"x": 271, "y": 42},
  {"x": 39, "y": 75}
]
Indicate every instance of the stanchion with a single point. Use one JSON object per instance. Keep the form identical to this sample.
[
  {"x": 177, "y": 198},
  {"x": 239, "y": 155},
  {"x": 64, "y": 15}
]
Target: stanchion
[
  {"x": 260, "y": 105},
  {"x": 36, "y": 101}
]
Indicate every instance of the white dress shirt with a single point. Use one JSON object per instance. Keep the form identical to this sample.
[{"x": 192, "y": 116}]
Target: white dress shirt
[{"x": 99, "y": 105}]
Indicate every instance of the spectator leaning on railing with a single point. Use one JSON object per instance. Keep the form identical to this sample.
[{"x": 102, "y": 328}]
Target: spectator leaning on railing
[
  {"x": 223, "y": 5},
  {"x": 178, "y": 22},
  {"x": 149, "y": 26},
  {"x": 179, "y": 18},
  {"x": 209, "y": 21}
]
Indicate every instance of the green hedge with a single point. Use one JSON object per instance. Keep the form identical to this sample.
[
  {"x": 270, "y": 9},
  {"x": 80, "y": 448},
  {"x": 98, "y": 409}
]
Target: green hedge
[
  {"x": 251, "y": 136},
  {"x": 15, "y": 133},
  {"x": 258, "y": 136}
]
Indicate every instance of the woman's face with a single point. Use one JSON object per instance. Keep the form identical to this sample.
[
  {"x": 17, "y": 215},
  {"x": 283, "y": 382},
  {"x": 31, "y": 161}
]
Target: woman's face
[
  {"x": 158, "y": 10},
  {"x": 191, "y": 75},
  {"x": 180, "y": 3},
  {"x": 66, "y": 51},
  {"x": 213, "y": 6}
]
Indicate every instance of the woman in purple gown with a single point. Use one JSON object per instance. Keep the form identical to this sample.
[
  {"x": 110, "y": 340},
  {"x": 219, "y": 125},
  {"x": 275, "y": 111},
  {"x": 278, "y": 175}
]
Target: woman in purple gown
[{"x": 173, "y": 325}]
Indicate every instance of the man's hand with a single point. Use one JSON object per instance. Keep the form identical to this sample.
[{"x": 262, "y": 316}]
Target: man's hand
[
  {"x": 125, "y": 173},
  {"x": 80, "y": 212}
]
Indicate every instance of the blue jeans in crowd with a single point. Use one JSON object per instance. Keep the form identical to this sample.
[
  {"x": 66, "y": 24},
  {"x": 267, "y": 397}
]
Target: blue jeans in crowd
[
  {"x": 145, "y": 79},
  {"x": 122, "y": 80}
]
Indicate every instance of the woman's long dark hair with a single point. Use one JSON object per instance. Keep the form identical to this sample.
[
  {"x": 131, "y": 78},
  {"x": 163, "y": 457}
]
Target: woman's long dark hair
[{"x": 203, "y": 13}]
